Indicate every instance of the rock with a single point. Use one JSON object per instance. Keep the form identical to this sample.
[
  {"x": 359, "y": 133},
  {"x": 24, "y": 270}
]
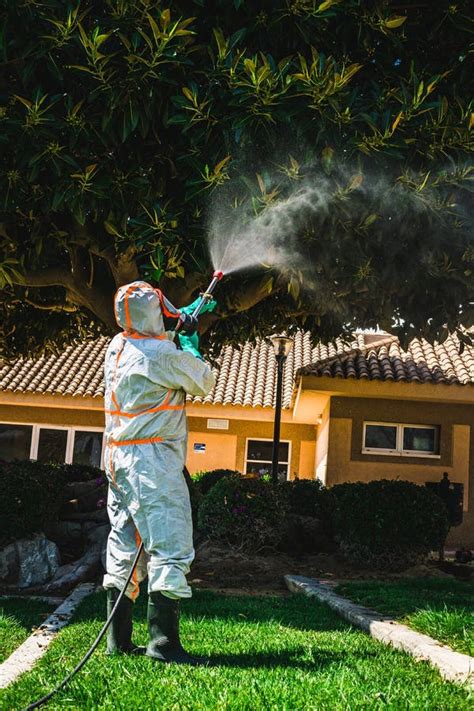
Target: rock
[
  {"x": 90, "y": 501},
  {"x": 82, "y": 570},
  {"x": 99, "y": 516},
  {"x": 9, "y": 564},
  {"x": 29, "y": 561},
  {"x": 78, "y": 489},
  {"x": 97, "y": 534},
  {"x": 66, "y": 532}
]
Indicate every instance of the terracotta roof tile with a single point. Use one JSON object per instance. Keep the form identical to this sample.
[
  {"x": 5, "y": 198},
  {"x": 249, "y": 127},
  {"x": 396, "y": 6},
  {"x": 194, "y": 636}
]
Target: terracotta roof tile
[
  {"x": 246, "y": 376},
  {"x": 386, "y": 360}
]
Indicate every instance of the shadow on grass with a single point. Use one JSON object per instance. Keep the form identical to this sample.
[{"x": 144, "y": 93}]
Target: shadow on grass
[
  {"x": 297, "y": 612},
  {"x": 282, "y": 660}
]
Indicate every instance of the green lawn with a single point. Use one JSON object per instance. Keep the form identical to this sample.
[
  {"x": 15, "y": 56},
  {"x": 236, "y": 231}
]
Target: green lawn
[
  {"x": 268, "y": 653},
  {"x": 17, "y": 619},
  {"x": 441, "y": 608}
]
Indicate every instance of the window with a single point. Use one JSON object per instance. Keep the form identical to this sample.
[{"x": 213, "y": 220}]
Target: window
[
  {"x": 48, "y": 443},
  {"x": 259, "y": 457},
  {"x": 52, "y": 445},
  {"x": 401, "y": 439},
  {"x": 381, "y": 437},
  {"x": 15, "y": 441},
  {"x": 87, "y": 448}
]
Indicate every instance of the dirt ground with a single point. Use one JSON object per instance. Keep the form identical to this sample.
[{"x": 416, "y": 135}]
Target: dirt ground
[{"x": 224, "y": 570}]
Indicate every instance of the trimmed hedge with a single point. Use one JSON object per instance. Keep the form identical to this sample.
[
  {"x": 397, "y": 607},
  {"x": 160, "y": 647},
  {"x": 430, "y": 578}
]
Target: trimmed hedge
[
  {"x": 307, "y": 528},
  {"x": 31, "y": 495},
  {"x": 244, "y": 512},
  {"x": 206, "y": 480},
  {"x": 386, "y": 524}
]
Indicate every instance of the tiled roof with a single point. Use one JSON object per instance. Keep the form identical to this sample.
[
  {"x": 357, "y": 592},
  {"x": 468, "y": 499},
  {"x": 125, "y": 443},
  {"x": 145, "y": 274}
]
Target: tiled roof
[
  {"x": 384, "y": 359},
  {"x": 78, "y": 370},
  {"x": 247, "y": 376}
]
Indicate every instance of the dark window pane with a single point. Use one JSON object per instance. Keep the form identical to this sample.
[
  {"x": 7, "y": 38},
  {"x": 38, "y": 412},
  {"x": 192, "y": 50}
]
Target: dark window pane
[
  {"x": 263, "y": 450},
  {"x": 420, "y": 439},
  {"x": 261, "y": 469},
  {"x": 381, "y": 436},
  {"x": 15, "y": 442},
  {"x": 52, "y": 446},
  {"x": 87, "y": 448}
]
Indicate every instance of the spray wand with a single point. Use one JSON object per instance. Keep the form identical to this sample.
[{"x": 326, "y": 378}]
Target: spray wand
[{"x": 205, "y": 297}]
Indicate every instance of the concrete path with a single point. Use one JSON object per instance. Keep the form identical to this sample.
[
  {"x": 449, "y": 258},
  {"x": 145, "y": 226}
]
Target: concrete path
[
  {"x": 27, "y": 654},
  {"x": 452, "y": 665}
]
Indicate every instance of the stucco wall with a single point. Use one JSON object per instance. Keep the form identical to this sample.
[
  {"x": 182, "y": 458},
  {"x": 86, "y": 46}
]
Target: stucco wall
[
  {"x": 223, "y": 449},
  {"x": 346, "y": 462},
  {"x": 52, "y": 416},
  {"x": 230, "y": 445}
]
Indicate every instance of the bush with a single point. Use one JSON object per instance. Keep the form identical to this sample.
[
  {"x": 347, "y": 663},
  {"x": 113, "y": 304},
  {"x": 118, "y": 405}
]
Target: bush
[
  {"x": 79, "y": 472},
  {"x": 307, "y": 527},
  {"x": 206, "y": 480},
  {"x": 31, "y": 496},
  {"x": 244, "y": 512},
  {"x": 387, "y": 524},
  {"x": 305, "y": 497}
]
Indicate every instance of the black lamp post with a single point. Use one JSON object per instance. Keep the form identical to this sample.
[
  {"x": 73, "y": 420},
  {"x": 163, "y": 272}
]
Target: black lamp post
[{"x": 282, "y": 347}]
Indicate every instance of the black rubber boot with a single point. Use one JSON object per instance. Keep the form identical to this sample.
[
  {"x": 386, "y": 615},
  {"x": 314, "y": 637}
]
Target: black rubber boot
[
  {"x": 119, "y": 635},
  {"x": 163, "y": 627}
]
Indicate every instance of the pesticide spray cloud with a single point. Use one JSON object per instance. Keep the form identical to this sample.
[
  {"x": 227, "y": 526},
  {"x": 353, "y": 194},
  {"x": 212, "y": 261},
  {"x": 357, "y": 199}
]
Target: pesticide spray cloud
[
  {"x": 290, "y": 226},
  {"x": 239, "y": 240}
]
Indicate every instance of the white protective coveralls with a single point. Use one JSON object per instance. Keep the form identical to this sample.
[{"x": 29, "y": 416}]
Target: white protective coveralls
[{"x": 146, "y": 379}]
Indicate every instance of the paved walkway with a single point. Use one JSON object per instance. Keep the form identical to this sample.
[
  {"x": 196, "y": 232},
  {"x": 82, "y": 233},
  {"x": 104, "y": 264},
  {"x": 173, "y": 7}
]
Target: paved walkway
[{"x": 27, "y": 654}]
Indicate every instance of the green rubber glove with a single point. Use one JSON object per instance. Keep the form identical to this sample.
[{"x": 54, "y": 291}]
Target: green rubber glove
[{"x": 190, "y": 343}]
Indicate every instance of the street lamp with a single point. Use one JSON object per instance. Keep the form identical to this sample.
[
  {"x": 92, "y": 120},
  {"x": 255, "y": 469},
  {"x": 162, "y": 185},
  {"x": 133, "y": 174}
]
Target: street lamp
[{"x": 282, "y": 346}]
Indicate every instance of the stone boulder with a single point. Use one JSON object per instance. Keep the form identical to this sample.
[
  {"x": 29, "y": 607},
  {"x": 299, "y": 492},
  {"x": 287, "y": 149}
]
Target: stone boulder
[{"x": 29, "y": 561}]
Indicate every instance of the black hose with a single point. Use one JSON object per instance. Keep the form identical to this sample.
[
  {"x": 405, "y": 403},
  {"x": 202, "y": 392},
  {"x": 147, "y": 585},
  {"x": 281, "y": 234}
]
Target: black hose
[{"x": 91, "y": 650}]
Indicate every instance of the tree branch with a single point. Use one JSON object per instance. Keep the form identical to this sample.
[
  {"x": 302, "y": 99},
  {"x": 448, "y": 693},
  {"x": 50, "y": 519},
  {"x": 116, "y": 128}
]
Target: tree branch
[
  {"x": 53, "y": 276},
  {"x": 69, "y": 308}
]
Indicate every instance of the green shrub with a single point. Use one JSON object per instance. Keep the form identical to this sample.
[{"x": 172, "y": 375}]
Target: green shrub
[
  {"x": 307, "y": 527},
  {"x": 79, "y": 472},
  {"x": 206, "y": 480},
  {"x": 305, "y": 497},
  {"x": 387, "y": 524},
  {"x": 31, "y": 496},
  {"x": 244, "y": 512}
]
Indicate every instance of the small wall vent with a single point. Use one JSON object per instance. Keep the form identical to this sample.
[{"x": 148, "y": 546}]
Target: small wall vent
[{"x": 217, "y": 424}]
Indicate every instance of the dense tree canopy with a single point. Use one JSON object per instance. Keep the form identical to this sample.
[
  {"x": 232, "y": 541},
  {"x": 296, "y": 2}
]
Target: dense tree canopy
[{"x": 124, "y": 125}]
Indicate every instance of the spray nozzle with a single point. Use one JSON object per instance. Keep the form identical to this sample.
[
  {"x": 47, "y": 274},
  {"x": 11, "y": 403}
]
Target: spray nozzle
[{"x": 218, "y": 275}]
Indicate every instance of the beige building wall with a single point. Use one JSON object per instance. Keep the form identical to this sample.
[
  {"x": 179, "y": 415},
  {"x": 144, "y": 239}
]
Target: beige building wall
[
  {"x": 347, "y": 462},
  {"x": 223, "y": 449},
  {"x": 301, "y": 437},
  {"x": 66, "y": 417},
  {"x": 322, "y": 445}
]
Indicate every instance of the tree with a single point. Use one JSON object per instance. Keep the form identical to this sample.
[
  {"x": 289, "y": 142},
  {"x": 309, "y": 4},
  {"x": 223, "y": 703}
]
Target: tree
[{"x": 124, "y": 124}]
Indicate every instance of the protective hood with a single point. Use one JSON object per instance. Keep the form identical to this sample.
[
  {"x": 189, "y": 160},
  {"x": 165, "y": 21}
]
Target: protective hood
[{"x": 139, "y": 308}]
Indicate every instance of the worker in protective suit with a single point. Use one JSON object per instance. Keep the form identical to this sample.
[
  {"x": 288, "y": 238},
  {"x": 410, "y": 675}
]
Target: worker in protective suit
[{"x": 146, "y": 381}]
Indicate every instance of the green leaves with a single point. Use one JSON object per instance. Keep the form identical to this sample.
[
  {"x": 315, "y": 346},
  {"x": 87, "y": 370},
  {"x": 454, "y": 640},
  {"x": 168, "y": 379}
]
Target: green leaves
[
  {"x": 395, "y": 21},
  {"x": 122, "y": 129},
  {"x": 322, "y": 77}
]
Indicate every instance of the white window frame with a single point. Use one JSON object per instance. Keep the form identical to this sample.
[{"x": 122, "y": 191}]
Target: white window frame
[
  {"x": 266, "y": 461},
  {"x": 399, "y": 451},
  {"x": 71, "y": 434},
  {"x": 87, "y": 429}
]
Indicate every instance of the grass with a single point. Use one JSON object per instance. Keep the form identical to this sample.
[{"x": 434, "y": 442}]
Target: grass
[
  {"x": 267, "y": 653},
  {"x": 17, "y": 619},
  {"x": 440, "y": 608}
]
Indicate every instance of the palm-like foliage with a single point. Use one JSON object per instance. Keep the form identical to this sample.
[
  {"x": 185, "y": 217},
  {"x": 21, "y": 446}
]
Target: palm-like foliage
[{"x": 121, "y": 122}]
